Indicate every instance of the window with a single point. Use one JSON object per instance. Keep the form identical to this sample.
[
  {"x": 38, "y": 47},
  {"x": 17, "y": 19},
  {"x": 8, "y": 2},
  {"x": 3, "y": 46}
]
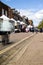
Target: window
[
  {"x": 6, "y": 13},
  {"x": 2, "y": 11}
]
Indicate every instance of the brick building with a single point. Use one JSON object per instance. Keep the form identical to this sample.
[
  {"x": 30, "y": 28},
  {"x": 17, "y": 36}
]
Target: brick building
[
  {"x": 16, "y": 14},
  {"x": 12, "y": 13},
  {"x": 9, "y": 12},
  {"x": 5, "y": 10}
]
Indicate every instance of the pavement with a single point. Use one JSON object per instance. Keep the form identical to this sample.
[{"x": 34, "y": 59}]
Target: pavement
[{"x": 33, "y": 54}]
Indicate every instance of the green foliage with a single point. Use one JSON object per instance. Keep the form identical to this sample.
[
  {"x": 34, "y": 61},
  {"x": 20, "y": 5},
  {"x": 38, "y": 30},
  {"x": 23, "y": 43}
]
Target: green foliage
[{"x": 40, "y": 24}]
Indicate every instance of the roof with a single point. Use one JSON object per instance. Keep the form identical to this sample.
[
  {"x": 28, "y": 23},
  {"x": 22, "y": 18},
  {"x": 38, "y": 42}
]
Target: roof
[{"x": 4, "y": 4}]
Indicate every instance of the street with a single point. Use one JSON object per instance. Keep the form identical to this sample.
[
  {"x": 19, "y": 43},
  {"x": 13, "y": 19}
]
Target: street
[
  {"x": 33, "y": 54},
  {"x": 14, "y": 37},
  {"x": 21, "y": 32},
  {"x": 15, "y": 50}
]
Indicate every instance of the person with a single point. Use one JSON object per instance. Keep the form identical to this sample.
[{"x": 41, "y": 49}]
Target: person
[{"x": 5, "y": 39}]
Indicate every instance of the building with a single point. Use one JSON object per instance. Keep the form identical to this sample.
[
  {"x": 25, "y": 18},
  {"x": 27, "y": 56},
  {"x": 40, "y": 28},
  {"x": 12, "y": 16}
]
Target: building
[
  {"x": 30, "y": 22},
  {"x": 13, "y": 13},
  {"x": 16, "y": 14},
  {"x": 5, "y": 10},
  {"x": 9, "y": 12}
]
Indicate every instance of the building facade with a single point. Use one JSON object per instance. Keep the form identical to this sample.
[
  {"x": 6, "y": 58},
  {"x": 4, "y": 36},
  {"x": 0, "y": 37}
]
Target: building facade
[
  {"x": 31, "y": 22},
  {"x": 5, "y": 10},
  {"x": 9, "y": 12},
  {"x": 13, "y": 13}
]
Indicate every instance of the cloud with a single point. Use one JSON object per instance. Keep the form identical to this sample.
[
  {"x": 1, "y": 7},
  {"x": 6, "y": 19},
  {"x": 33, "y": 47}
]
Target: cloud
[
  {"x": 36, "y": 16},
  {"x": 39, "y": 14}
]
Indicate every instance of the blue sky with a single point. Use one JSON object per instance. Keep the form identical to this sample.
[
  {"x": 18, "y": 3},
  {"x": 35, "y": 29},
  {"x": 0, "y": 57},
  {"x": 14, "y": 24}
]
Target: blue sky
[
  {"x": 33, "y": 9},
  {"x": 25, "y": 4}
]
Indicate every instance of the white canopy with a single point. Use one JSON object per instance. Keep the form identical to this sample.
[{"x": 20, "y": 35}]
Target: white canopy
[
  {"x": 4, "y": 17},
  {"x": 29, "y": 26},
  {"x": 13, "y": 19},
  {"x": 15, "y": 22},
  {"x": 22, "y": 23},
  {"x": 5, "y": 24},
  {"x": 18, "y": 21}
]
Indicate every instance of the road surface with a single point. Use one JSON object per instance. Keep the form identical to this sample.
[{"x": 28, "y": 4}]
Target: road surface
[
  {"x": 33, "y": 54},
  {"x": 14, "y": 37}
]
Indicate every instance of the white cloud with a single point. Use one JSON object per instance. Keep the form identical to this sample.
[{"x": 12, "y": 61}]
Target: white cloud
[
  {"x": 39, "y": 14},
  {"x": 36, "y": 16}
]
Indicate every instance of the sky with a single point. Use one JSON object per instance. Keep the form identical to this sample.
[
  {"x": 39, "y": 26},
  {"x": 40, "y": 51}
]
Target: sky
[{"x": 33, "y": 9}]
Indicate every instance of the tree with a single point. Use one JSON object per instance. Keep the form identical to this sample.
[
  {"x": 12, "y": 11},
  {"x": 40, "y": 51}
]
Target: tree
[{"x": 40, "y": 24}]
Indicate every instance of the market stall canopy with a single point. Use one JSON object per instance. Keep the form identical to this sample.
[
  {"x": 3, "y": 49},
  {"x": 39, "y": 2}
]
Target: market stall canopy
[
  {"x": 5, "y": 25},
  {"x": 18, "y": 21},
  {"x": 22, "y": 23},
  {"x": 13, "y": 19},
  {"x": 29, "y": 26},
  {"x": 4, "y": 17},
  {"x": 15, "y": 22}
]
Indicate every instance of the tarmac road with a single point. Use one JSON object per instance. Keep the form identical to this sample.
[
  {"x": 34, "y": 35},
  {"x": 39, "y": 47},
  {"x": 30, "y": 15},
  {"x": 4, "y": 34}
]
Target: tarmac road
[
  {"x": 14, "y": 37},
  {"x": 33, "y": 54},
  {"x": 16, "y": 50}
]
